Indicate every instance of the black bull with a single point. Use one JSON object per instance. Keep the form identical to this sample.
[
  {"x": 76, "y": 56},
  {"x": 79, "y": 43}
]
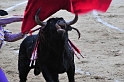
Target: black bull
[{"x": 54, "y": 53}]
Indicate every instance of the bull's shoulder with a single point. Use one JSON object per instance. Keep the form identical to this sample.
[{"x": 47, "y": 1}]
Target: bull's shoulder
[{"x": 29, "y": 40}]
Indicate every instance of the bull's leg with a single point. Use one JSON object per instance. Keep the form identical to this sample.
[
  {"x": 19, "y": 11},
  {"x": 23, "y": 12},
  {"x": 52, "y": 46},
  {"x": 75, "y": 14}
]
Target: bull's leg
[
  {"x": 37, "y": 68},
  {"x": 23, "y": 74},
  {"x": 23, "y": 67},
  {"x": 46, "y": 74},
  {"x": 55, "y": 77},
  {"x": 71, "y": 73}
]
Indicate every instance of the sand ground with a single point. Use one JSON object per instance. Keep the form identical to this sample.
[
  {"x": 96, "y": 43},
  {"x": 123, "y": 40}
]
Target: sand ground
[{"x": 101, "y": 46}]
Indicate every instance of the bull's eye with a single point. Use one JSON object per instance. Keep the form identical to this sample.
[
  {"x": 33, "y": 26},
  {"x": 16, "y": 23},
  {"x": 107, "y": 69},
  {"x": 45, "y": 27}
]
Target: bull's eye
[{"x": 58, "y": 21}]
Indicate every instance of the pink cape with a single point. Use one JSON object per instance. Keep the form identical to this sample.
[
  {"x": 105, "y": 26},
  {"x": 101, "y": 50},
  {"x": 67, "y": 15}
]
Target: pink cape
[{"x": 50, "y": 7}]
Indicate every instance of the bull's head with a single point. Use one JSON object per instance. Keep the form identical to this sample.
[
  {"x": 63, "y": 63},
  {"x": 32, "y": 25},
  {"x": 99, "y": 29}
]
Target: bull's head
[{"x": 61, "y": 25}]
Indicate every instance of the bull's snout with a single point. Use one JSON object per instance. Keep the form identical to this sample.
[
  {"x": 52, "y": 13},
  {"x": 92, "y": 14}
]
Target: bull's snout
[{"x": 59, "y": 29}]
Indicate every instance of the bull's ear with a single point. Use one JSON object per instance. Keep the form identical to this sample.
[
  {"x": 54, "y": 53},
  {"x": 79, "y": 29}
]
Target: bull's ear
[{"x": 69, "y": 28}]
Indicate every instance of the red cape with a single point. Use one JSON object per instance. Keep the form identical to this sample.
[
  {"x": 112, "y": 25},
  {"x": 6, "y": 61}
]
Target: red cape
[{"x": 50, "y": 7}]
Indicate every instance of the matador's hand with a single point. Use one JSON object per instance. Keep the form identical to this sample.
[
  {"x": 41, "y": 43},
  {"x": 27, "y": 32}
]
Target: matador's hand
[{"x": 3, "y": 13}]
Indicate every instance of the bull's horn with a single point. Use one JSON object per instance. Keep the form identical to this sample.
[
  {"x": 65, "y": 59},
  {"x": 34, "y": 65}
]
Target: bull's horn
[
  {"x": 37, "y": 20},
  {"x": 73, "y": 21}
]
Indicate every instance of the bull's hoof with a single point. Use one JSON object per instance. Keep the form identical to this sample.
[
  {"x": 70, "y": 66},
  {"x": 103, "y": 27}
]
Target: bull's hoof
[{"x": 36, "y": 71}]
